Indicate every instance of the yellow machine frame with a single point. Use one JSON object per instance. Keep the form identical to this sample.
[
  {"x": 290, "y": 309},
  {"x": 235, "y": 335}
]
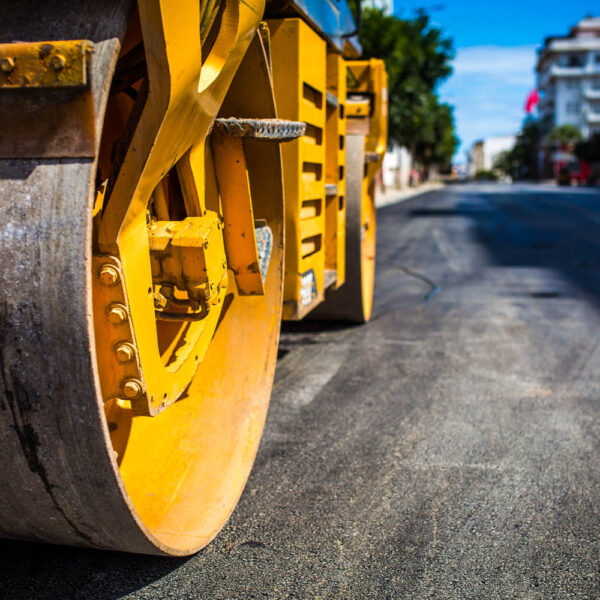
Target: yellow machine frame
[
  {"x": 152, "y": 350},
  {"x": 310, "y": 84}
]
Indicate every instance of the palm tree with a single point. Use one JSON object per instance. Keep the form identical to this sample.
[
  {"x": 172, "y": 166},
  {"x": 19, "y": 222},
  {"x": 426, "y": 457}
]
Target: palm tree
[{"x": 564, "y": 136}]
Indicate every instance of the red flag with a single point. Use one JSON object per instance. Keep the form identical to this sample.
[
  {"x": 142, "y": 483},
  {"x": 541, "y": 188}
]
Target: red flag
[{"x": 532, "y": 101}]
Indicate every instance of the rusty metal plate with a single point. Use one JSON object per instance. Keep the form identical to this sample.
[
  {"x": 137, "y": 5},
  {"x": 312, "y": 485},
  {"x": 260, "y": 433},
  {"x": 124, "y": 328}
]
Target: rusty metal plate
[
  {"x": 47, "y": 124},
  {"x": 46, "y": 103},
  {"x": 44, "y": 64}
]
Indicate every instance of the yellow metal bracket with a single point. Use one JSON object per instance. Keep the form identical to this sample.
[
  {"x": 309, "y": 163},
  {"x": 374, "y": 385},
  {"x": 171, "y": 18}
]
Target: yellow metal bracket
[
  {"x": 236, "y": 200},
  {"x": 190, "y": 256},
  {"x": 240, "y": 238},
  {"x": 367, "y": 84},
  {"x": 123, "y": 381},
  {"x": 358, "y": 109},
  {"x": 45, "y": 64}
]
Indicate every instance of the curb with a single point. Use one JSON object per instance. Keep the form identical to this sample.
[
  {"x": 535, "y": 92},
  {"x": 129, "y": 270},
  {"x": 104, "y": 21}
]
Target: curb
[{"x": 397, "y": 196}]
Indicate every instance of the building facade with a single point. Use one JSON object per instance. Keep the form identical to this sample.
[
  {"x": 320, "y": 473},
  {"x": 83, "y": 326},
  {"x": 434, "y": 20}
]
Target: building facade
[
  {"x": 568, "y": 75},
  {"x": 397, "y": 167},
  {"x": 484, "y": 153}
]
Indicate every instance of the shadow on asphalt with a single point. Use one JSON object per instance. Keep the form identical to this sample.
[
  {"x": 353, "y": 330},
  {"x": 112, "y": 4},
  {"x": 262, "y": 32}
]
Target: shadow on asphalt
[
  {"x": 306, "y": 333},
  {"x": 304, "y": 327},
  {"x": 40, "y": 571},
  {"x": 544, "y": 229}
]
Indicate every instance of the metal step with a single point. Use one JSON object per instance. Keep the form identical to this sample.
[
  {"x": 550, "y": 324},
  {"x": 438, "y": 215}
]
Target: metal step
[
  {"x": 275, "y": 130},
  {"x": 331, "y": 189}
]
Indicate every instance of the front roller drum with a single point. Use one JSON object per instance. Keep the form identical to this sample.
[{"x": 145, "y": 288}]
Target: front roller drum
[{"x": 78, "y": 466}]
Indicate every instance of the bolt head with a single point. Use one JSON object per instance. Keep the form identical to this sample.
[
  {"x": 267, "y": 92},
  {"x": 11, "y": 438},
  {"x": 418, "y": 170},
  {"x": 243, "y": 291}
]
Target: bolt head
[
  {"x": 108, "y": 275},
  {"x": 125, "y": 352},
  {"x": 160, "y": 301},
  {"x": 7, "y": 64},
  {"x": 117, "y": 314},
  {"x": 58, "y": 62},
  {"x": 132, "y": 389},
  {"x": 167, "y": 291}
]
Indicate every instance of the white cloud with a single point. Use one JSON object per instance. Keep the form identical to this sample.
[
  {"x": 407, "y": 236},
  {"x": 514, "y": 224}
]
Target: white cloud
[
  {"x": 512, "y": 61},
  {"x": 488, "y": 88}
]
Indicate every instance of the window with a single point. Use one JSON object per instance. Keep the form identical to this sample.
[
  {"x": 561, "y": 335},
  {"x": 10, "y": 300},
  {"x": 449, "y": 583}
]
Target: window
[
  {"x": 573, "y": 60},
  {"x": 573, "y": 108},
  {"x": 572, "y": 84},
  {"x": 595, "y": 84},
  {"x": 597, "y": 59}
]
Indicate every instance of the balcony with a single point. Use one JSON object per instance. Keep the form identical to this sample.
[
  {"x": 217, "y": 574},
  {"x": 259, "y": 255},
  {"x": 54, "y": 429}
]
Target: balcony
[
  {"x": 560, "y": 46},
  {"x": 575, "y": 71},
  {"x": 590, "y": 94},
  {"x": 593, "y": 117},
  {"x": 557, "y": 71}
]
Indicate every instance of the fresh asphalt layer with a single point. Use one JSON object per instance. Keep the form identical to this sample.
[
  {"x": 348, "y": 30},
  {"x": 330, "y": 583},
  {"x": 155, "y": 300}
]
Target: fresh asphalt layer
[{"x": 449, "y": 449}]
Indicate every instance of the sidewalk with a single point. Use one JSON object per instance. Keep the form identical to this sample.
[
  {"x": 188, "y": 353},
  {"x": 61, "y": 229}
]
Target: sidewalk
[{"x": 393, "y": 196}]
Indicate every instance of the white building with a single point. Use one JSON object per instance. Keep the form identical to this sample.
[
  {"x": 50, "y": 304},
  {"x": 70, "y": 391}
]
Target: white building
[
  {"x": 484, "y": 153},
  {"x": 568, "y": 73},
  {"x": 396, "y": 168}
]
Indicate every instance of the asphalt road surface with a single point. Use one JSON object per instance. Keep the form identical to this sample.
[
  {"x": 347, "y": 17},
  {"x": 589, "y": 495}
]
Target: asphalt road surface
[{"x": 449, "y": 449}]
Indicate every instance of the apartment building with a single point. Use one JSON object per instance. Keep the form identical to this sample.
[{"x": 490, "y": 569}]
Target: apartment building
[{"x": 568, "y": 74}]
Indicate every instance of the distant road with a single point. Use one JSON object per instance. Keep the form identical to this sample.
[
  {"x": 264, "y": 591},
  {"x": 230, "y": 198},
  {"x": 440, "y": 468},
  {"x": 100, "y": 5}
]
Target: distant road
[{"x": 449, "y": 449}]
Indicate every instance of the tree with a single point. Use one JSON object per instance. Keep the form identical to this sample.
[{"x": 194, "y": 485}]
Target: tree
[
  {"x": 522, "y": 161},
  {"x": 504, "y": 162},
  {"x": 436, "y": 142},
  {"x": 564, "y": 135},
  {"x": 417, "y": 58}
]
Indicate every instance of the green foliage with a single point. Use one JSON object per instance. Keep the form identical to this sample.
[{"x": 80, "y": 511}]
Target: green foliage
[
  {"x": 486, "y": 176},
  {"x": 354, "y": 6},
  {"x": 522, "y": 161},
  {"x": 589, "y": 150},
  {"x": 417, "y": 58},
  {"x": 563, "y": 135},
  {"x": 504, "y": 163},
  {"x": 436, "y": 142}
]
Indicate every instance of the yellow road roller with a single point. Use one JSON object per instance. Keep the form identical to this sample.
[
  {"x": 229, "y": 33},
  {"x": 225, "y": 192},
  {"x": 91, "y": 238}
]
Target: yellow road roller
[{"x": 176, "y": 176}]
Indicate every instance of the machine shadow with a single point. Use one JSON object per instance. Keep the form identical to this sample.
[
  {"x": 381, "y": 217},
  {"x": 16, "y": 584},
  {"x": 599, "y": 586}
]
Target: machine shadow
[
  {"x": 29, "y": 570},
  {"x": 543, "y": 228},
  {"x": 316, "y": 326}
]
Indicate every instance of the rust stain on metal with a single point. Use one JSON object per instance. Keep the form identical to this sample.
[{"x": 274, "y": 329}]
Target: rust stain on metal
[{"x": 46, "y": 104}]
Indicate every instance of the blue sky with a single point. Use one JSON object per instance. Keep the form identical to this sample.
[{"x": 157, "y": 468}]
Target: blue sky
[{"x": 495, "y": 43}]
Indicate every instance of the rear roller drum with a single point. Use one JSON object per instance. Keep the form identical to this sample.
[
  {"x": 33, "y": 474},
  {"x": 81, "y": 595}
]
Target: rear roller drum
[{"x": 353, "y": 301}]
